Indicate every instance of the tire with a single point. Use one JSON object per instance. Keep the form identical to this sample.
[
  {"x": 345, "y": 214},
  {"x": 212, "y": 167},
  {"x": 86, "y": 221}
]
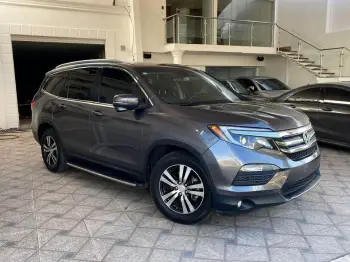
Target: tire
[
  {"x": 179, "y": 209},
  {"x": 58, "y": 165}
]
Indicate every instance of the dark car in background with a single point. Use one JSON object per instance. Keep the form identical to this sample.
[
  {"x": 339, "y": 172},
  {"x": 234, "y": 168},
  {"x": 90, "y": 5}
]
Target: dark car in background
[
  {"x": 262, "y": 88},
  {"x": 328, "y": 107},
  {"x": 176, "y": 131}
]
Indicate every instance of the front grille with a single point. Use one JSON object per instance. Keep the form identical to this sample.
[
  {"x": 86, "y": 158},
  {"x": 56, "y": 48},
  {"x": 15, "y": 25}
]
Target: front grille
[
  {"x": 290, "y": 188},
  {"x": 297, "y": 145},
  {"x": 302, "y": 154},
  {"x": 253, "y": 178}
]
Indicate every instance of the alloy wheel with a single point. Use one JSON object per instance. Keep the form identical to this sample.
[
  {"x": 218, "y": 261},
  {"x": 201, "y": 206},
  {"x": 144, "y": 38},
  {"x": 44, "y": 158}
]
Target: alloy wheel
[
  {"x": 181, "y": 189},
  {"x": 50, "y": 151}
]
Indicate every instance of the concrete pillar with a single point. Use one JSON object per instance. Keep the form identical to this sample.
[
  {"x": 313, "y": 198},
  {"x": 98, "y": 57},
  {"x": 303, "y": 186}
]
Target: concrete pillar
[
  {"x": 177, "y": 57},
  {"x": 135, "y": 31},
  {"x": 2, "y": 98}
]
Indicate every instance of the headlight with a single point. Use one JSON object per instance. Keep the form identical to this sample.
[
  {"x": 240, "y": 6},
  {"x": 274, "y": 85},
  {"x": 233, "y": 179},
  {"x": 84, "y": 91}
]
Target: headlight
[{"x": 252, "y": 142}]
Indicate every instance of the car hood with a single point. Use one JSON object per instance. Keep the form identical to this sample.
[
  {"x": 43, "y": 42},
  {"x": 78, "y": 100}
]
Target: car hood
[{"x": 251, "y": 114}]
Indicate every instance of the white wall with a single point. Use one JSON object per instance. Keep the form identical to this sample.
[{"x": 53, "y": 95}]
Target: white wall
[
  {"x": 56, "y": 21},
  {"x": 308, "y": 19}
]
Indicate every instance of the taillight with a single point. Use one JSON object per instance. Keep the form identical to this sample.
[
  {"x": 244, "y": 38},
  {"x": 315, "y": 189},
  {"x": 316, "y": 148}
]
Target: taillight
[{"x": 32, "y": 104}]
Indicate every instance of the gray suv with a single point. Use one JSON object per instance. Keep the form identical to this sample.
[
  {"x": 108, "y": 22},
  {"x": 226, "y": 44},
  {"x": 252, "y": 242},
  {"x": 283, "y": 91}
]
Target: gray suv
[{"x": 176, "y": 131}]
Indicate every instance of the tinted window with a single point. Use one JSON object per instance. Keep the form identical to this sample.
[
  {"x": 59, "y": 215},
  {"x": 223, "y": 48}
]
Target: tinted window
[
  {"x": 236, "y": 86},
  {"x": 185, "y": 86},
  {"x": 55, "y": 84},
  {"x": 308, "y": 95},
  {"x": 337, "y": 96},
  {"x": 116, "y": 82},
  {"x": 271, "y": 84},
  {"x": 246, "y": 83},
  {"x": 83, "y": 84}
]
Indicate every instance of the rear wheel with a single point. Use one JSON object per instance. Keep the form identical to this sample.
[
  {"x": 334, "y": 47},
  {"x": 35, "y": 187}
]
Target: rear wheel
[
  {"x": 52, "y": 152},
  {"x": 180, "y": 190}
]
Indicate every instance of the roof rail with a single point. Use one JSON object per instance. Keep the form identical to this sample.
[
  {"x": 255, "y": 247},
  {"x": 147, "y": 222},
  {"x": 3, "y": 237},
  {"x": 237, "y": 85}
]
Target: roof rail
[{"x": 89, "y": 61}]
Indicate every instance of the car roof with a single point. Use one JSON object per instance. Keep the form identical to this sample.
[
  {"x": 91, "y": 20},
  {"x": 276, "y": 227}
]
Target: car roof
[
  {"x": 255, "y": 77},
  {"x": 341, "y": 84},
  {"x": 108, "y": 62}
]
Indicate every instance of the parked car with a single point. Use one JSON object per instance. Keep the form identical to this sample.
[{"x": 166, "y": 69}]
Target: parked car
[
  {"x": 242, "y": 93},
  {"x": 176, "y": 131},
  {"x": 262, "y": 88},
  {"x": 327, "y": 106}
]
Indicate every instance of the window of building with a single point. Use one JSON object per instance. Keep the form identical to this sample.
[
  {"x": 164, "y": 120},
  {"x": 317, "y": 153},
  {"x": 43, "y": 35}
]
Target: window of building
[{"x": 83, "y": 84}]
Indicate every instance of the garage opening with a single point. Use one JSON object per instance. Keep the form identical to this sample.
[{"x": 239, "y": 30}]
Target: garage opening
[{"x": 33, "y": 59}]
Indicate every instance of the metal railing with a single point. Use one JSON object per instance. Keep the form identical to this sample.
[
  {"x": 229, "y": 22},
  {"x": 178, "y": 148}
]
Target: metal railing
[
  {"x": 187, "y": 29},
  {"x": 335, "y": 59}
]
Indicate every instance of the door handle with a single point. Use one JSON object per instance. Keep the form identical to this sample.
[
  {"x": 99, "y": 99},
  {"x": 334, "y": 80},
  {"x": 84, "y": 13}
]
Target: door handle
[
  {"x": 96, "y": 113},
  {"x": 327, "y": 109},
  {"x": 292, "y": 106},
  {"x": 62, "y": 106}
]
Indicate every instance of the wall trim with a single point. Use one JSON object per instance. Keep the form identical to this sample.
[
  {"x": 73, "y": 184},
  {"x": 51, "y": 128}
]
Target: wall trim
[{"x": 62, "y": 5}]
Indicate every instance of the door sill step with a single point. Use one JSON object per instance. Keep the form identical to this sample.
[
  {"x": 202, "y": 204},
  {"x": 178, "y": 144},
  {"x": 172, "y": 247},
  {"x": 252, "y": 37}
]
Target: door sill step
[{"x": 106, "y": 176}]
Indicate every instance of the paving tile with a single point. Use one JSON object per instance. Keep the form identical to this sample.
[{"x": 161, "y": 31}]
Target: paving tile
[
  {"x": 320, "y": 230},
  {"x": 184, "y": 230},
  {"x": 161, "y": 255},
  {"x": 316, "y": 217},
  {"x": 167, "y": 241},
  {"x": 288, "y": 226},
  {"x": 114, "y": 232},
  {"x": 154, "y": 222},
  {"x": 210, "y": 248},
  {"x": 15, "y": 254},
  {"x": 60, "y": 223},
  {"x": 65, "y": 243},
  {"x": 46, "y": 256},
  {"x": 144, "y": 237},
  {"x": 95, "y": 249},
  {"x": 327, "y": 245},
  {"x": 311, "y": 257},
  {"x": 289, "y": 241},
  {"x": 128, "y": 254},
  {"x": 217, "y": 231},
  {"x": 249, "y": 221},
  {"x": 250, "y": 237},
  {"x": 286, "y": 254},
  {"x": 245, "y": 253},
  {"x": 14, "y": 234}
]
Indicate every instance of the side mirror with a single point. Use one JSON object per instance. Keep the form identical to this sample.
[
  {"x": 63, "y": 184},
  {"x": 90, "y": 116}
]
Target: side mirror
[
  {"x": 252, "y": 89},
  {"x": 125, "y": 102}
]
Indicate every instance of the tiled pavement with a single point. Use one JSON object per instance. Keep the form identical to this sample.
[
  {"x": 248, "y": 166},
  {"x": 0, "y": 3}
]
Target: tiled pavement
[{"x": 76, "y": 217}]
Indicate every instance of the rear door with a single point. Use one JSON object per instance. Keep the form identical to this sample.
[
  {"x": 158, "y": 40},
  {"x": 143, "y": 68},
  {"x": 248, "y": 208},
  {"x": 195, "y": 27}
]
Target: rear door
[
  {"x": 73, "y": 109},
  {"x": 306, "y": 100},
  {"x": 334, "y": 121}
]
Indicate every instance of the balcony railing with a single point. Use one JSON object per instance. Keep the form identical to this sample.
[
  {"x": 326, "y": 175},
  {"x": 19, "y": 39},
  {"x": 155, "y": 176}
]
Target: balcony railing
[{"x": 186, "y": 29}]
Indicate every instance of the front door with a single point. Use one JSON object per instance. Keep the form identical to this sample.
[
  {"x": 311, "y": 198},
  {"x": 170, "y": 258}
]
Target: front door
[
  {"x": 307, "y": 101},
  {"x": 335, "y": 115},
  {"x": 118, "y": 135},
  {"x": 73, "y": 109}
]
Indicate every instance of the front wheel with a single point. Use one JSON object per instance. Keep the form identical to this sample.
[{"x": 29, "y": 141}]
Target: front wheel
[{"x": 180, "y": 190}]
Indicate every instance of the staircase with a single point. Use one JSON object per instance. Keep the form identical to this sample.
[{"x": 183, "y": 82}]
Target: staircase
[
  {"x": 305, "y": 62},
  {"x": 324, "y": 63}
]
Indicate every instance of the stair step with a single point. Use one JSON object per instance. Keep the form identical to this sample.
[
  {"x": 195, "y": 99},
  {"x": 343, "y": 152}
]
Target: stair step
[{"x": 285, "y": 49}]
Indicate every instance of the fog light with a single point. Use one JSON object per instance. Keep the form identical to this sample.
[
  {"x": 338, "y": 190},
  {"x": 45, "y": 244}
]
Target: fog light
[
  {"x": 258, "y": 168},
  {"x": 239, "y": 204}
]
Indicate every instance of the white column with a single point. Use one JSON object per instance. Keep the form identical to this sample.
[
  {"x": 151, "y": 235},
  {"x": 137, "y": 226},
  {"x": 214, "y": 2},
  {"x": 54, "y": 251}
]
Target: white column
[
  {"x": 2, "y": 98},
  {"x": 177, "y": 57},
  {"x": 135, "y": 31}
]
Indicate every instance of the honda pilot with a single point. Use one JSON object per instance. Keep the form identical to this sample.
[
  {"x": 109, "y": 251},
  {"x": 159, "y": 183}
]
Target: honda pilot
[{"x": 176, "y": 131}]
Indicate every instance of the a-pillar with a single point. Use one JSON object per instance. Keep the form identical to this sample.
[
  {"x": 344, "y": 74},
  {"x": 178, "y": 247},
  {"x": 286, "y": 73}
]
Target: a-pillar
[{"x": 177, "y": 57}]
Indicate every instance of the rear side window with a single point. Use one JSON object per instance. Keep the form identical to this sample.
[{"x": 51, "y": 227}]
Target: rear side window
[
  {"x": 55, "y": 84},
  {"x": 84, "y": 84},
  {"x": 336, "y": 96},
  {"x": 116, "y": 82},
  {"x": 308, "y": 95}
]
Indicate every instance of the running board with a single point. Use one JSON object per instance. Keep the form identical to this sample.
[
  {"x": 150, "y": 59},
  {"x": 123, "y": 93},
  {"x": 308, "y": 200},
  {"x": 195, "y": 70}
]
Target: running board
[{"x": 105, "y": 176}]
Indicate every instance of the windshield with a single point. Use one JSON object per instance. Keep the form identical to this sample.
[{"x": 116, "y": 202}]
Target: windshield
[
  {"x": 238, "y": 87},
  {"x": 184, "y": 86},
  {"x": 271, "y": 84}
]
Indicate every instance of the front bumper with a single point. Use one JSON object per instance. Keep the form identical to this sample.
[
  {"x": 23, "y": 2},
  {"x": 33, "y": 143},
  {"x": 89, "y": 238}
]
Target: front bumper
[{"x": 294, "y": 178}]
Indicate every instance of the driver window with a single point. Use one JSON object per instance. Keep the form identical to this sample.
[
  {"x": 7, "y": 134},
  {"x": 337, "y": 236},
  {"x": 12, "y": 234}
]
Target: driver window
[
  {"x": 116, "y": 82},
  {"x": 308, "y": 95},
  {"x": 246, "y": 84}
]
